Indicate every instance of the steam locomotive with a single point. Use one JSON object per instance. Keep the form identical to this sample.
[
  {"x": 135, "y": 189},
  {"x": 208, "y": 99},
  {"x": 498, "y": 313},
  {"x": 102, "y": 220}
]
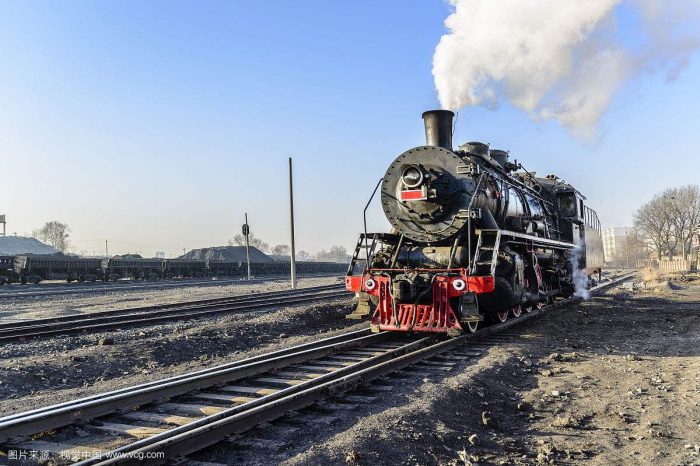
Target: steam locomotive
[{"x": 474, "y": 237}]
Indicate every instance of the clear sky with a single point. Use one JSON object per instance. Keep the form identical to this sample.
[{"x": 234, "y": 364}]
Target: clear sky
[{"x": 156, "y": 125}]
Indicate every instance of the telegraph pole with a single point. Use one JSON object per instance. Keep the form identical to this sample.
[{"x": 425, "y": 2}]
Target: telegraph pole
[
  {"x": 246, "y": 233},
  {"x": 106, "y": 249},
  {"x": 291, "y": 222}
]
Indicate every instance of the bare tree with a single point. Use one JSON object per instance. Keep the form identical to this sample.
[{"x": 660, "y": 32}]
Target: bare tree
[
  {"x": 335, "y": 254},
  {"x": 668, "y": 220},
  {"x": 654, "y": 221},
  {"x": 685, "y": 209},
  {"x": 55, "y": 234},
  {"x": 303, "y": 256},
  {"x": 281, "y": 250},
  {"x": 631, "y": 250},
  {"x": 239, "y": 240}
]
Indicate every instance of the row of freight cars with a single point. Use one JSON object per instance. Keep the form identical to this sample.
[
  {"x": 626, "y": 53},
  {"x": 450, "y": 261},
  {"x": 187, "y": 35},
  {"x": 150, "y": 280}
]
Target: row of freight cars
[{"x": 33, "y": 269}]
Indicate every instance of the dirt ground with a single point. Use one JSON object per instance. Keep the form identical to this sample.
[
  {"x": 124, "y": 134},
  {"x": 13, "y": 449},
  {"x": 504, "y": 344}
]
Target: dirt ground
[
  {"x": 611, "y": 381},
  {"x": 39, "y": 307}
]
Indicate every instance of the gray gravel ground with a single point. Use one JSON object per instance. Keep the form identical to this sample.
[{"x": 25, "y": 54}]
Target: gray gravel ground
[
  {"x": 84, "y": 303},
  {"x": 47, "y": 371}
]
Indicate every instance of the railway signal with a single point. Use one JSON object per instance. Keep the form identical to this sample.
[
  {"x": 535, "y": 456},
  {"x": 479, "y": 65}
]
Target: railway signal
[{"x": 246, "y": 233}]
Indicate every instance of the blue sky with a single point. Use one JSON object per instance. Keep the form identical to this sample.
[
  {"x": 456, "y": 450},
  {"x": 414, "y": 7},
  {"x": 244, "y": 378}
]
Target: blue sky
[{"x": 156, "y": 125}]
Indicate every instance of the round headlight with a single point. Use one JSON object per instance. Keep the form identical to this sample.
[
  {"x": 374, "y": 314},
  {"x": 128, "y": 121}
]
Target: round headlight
[
  {"x": 370, "y": 284},
  {"x": 412, "y": 176},
  {"x": 459, "y": 284}
]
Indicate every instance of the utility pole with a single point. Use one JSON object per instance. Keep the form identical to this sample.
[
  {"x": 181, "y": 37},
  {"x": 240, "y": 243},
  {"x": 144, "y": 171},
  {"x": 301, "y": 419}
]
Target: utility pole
[
  {"x": 246, "y": 233},
  {"x": 106, "y": 249},
  {"x": 291, "y": 223},
  {"x": 2, "y": 220}
]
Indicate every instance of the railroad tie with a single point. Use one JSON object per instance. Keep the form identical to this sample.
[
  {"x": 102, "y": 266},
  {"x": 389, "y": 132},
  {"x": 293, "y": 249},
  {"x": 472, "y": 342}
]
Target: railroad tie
[
  {"x": 254, "y": 390},
  {"x": 158, "y": 418},
  {"x": 229, "y": 398},
  {"x": 299, "y": 374},
  {"x": 188, "y": 408},
  {"x": 319, "y": 362},
  {"x": 325, "y": 369},
  {"x": 349, "y": 358},
  {"x": 127, "y": 429},
  {"x": 274, "y": 381}
]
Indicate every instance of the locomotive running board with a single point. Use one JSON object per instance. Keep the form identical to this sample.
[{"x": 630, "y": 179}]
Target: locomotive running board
[{"x": 538, "y": 240}]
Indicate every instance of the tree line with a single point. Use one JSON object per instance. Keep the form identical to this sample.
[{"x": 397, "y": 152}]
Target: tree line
[
  {"x": 669, "y": 220},
  {"x": 334, "y": 254}
]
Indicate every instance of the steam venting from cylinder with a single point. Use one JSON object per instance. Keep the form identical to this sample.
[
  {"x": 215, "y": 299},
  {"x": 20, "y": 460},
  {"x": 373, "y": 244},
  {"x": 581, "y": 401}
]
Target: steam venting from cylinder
[{"x": 438, "y": 128}]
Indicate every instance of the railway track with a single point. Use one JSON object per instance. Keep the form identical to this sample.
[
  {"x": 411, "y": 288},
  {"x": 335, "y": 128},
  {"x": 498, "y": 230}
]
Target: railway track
[
  {"x": 148, "y": 315},
  {"x": 158, "y": 421},
  {"x": 66, "y": 288}
]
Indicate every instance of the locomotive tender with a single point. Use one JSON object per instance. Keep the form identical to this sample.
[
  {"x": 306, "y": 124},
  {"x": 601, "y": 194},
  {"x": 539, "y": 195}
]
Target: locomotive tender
[{"x": 472, "y": 239}]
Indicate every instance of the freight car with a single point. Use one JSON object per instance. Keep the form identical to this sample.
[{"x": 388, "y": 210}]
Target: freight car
[
  {"x": 188, "y": 268},
  {"x": 474, "y": 237},
  {"x": 7, "y": 269},
  {"x": 33, "y": 269},
  {"x": 137, "y": 268}
]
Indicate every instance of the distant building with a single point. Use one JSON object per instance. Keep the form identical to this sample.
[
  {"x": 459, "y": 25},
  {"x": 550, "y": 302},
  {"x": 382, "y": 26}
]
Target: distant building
[
  {"x": 614, "y": 240},
  {"x": 160, "y": 255}
]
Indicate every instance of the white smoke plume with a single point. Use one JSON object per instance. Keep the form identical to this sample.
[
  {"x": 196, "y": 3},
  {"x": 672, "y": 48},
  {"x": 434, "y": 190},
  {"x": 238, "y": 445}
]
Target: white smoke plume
[
  {"x": 559, "y": 59},
  {"x": 579, "y": 276}
]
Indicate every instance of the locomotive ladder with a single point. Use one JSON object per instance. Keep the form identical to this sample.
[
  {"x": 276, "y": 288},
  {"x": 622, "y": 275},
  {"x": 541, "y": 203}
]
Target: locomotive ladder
[{"x": 486, "y": 253}]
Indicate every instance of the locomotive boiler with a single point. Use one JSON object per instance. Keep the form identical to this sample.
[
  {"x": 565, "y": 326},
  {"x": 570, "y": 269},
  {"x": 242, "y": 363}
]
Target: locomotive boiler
[{"x": 474, "y": 237}]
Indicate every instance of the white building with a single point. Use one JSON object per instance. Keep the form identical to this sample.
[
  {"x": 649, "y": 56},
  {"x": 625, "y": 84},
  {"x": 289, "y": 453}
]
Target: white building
[{"x": 614, "y": 242}]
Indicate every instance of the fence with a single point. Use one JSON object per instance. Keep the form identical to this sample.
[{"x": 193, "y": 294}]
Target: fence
[{"x": 676, "y": 265}]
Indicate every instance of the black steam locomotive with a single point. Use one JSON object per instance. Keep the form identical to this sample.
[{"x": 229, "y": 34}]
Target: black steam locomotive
[{"x": 474, "y": 237}]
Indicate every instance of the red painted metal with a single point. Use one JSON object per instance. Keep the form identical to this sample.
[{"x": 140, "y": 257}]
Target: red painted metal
[
  {"x": 413, "y": 195},
  {"x": 481, "y": 284},
  {"x": 353, "y": 283},
  {"x": 438, "y": 317}
]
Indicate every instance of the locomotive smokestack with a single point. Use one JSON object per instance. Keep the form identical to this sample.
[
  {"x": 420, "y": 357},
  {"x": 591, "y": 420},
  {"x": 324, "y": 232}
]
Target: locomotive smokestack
[{"x": 438, "y": 128}]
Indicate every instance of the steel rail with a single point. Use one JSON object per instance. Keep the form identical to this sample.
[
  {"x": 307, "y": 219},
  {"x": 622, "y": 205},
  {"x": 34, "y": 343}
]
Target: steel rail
[
  {"x": 142, "y": 316},
  {"x": 211, "y": 429},
  {"x": 55, "y": 416},
  {"x": 61, "y": 289},
  {"x": 178, "y": 305}
]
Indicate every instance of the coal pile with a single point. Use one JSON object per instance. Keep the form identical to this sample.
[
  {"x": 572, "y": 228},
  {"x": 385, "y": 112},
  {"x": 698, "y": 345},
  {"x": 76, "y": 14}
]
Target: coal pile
[
  {"x": 16, "y": 245},
  {"x": 228, "y": 254}
]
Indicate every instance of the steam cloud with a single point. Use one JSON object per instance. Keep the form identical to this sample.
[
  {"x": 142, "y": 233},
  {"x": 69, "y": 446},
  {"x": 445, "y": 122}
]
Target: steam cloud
[
  {"x": 579, "y": 276},
  {"x": 559, "y": 59}
]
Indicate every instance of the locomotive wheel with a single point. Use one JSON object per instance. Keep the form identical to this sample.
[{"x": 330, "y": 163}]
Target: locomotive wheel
[
  {"x": 516, "y": 311},
  {"x": 472, "y": 326},
  {"x": 540, "y": 305},
  {"x": 527, "y": 309},
  {"x": 500, "y": 316}
]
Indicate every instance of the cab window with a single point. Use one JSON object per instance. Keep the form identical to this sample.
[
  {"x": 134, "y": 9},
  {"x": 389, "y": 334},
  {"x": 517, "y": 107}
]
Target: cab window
[{"x": 567, "y": 204}]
